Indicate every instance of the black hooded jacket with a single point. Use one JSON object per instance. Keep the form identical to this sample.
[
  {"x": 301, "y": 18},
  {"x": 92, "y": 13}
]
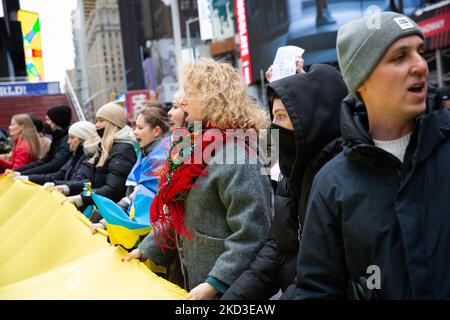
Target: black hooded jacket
[
  {"x": 109, "y": 180},
  {"x": 368, "y": 209},
  {"x": 56, "y": 157},
  {"x": 312, "y": 101}
]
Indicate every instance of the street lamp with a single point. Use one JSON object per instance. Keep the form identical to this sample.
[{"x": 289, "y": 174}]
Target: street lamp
[
  {"x": 96, "y": 94},
  {"x": 93, "y": 97},
  {"x": 176, "y": 33},
  {"x": 188, "y": 32},
  {"x": 110, "y": 84}
]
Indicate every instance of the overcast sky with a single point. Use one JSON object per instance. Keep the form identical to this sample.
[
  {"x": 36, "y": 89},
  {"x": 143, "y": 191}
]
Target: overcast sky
[{"x": 56, "y": 35}]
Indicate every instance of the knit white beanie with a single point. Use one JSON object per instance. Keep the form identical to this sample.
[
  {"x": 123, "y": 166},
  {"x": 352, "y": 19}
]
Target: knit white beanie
[{"x": 87, "y": 132}]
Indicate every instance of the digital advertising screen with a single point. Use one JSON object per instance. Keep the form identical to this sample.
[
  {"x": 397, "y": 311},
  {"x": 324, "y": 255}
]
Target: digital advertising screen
[
  {"x": 309, "y": 24},
  {"x": 31, "y": 32}
]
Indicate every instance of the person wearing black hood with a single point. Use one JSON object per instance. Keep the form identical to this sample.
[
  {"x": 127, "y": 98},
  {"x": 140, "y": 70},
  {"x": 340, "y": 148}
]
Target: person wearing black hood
[
  {"x": 308, "y": 124},
  {"x": 57, "y": 122},
  {"x": 378, "y": 222}
]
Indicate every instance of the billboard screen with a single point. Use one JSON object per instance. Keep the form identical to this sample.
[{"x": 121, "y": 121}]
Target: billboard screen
[
  {"x": 222, "y": 19},
  {"x": 28, "y": 89},
  {"x": 435, "y": 24},
  {"x": 136, "y": 101},
  {"x": 309, "y": 24},
  {"x": 204, "y": 16},
  {"x": 31, "y": 31}
]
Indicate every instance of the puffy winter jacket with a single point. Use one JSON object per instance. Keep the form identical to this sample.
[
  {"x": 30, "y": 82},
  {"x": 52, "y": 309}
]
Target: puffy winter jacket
[
  {"x": 77, "y": 169},
  {"x": 372, "y": 217},
  {"x": 57, "y": 156},
  {"x": 109, "y": 179},
  {"x": 20, "y": 156}
]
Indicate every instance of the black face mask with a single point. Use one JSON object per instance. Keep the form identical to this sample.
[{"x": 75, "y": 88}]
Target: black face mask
[
  {"x": 101, "y": 132},
  {"x": 47, "y": 129},
  {"x": 287, "y": 149}
]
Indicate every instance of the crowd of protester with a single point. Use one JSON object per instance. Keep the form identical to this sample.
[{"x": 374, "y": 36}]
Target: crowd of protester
[{"x": 364, "y": 185}]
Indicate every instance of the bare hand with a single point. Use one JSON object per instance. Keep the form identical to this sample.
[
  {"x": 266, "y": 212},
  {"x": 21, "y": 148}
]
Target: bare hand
[
  {"x": 204, "y": 291},
  {"x": 299, "y": 62},
  {"x": 269, "y": 73},
  {"x": 96, "y": 226},
  {"x": 58, "y": 188},
  {"x": 64, "y": 189},
  {"x": 48, "y": 185},
  {"x": 75, "y": 200},
  {"x": 135, "y": 254},
  {"x": 14, "y": 173},
  {"x": 70, "y": 199},
  {"x": 19, "y": 177}
]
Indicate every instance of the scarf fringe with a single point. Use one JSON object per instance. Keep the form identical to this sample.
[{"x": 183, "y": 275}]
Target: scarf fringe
[{"x": 167, "y": 209}]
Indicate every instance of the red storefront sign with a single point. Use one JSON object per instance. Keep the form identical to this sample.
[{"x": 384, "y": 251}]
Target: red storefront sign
[
  {"x": 435, "y": 25},
  {"x": 244, "y": 47},
  {"x": 136, "y": 102}
]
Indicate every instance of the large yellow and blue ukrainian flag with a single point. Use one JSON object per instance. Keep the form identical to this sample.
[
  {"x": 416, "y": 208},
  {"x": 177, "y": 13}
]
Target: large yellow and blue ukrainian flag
[{"x": 126, "y": 228}]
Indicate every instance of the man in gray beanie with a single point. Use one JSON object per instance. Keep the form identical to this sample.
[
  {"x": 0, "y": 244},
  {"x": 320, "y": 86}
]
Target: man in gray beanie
[{"x": 377, "y": 220}]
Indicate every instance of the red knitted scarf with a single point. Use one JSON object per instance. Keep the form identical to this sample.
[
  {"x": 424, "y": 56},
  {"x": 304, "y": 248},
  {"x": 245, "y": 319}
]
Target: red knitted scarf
[{"x": 183, "y": 165}]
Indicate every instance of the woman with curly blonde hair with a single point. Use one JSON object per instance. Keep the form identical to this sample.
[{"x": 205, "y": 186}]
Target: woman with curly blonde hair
[
  {"x": 213, "y": 216},
  {"x": 217, "y": 93}
]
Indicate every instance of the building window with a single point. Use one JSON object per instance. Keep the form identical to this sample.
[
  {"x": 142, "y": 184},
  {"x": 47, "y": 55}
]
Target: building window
[{"x": 184, "y": 5}]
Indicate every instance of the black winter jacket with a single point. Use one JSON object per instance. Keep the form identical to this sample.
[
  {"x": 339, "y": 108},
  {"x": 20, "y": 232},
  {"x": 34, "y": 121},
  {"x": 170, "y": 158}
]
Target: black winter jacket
[
  {"x": 314, "y": 116},
  {"x": 367, "y": 210},
  {"x": 109, "y": 180},
  {"x": 77, "y": 168},
  {"x": 56, "y": 157}
]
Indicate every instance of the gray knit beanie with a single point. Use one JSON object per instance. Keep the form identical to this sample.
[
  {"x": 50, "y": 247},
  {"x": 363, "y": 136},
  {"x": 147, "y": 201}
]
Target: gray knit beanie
[
  {"x": 113, "y": 113},
  {"x": 363, "y": 42}
]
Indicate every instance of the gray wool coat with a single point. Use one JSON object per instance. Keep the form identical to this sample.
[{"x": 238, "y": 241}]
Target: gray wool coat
[{"x": 228, "y": 215}]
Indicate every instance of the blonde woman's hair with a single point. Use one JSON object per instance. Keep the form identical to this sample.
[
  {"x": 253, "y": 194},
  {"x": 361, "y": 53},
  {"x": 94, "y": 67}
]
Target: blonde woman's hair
[
  {"x": 222, "y": 95},
  {"x": 29, "y": 132},
  {"x": 105, "y": 144},
  {"x": 179, "y": 95}
]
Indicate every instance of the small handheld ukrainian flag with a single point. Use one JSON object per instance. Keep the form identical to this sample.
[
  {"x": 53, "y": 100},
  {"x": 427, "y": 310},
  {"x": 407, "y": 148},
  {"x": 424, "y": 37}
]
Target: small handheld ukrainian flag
[
  {"x": 125, "y": 228},
  {"x": 121, "y": 228}
]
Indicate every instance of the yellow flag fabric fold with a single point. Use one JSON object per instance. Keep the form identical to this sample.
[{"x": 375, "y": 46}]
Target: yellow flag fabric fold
[{"x": 48, "y": 252}]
